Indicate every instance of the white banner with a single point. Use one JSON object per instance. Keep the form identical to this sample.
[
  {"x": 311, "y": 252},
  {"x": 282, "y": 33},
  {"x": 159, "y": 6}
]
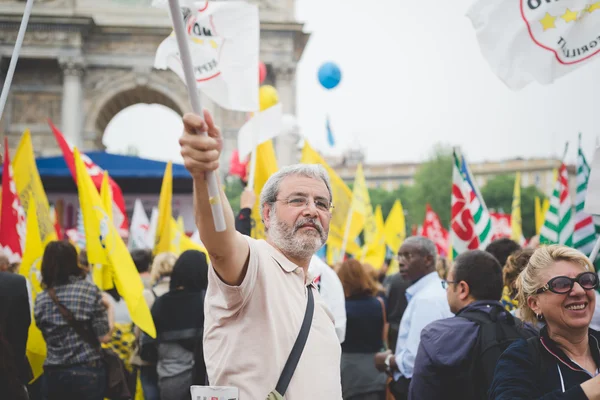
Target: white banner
[
  {"x": 214, "y": 393},
  {"x": 536, "y": 40},
  {"x": 139, "y": 229},
  {"x": 224, "y": 43},
  {"x": 263, "y": 126}
]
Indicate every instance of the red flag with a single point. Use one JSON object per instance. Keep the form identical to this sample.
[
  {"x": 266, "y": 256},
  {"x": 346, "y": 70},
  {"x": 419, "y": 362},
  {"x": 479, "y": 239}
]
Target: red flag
[
  {"x": 433, "y": 229},
  {"x": 501, "y": 225},
  {"x": 12, "y": 219},
  {"x": 96, "y": 173},
  {"x": 236, "y": 167}
]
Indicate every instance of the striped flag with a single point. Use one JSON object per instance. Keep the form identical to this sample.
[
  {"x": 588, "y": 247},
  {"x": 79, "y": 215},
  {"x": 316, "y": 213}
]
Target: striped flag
[
  {"x": 479, "y": 211},
  {"x": 463, "y": 235},
  {"x": 559, "y": 222},
  {"x": 584, "y": 234}
]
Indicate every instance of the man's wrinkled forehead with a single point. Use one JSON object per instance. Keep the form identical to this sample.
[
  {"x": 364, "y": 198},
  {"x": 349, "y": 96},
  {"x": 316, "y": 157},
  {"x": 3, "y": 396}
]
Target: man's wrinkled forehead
[{"x": 303, "y": 185}]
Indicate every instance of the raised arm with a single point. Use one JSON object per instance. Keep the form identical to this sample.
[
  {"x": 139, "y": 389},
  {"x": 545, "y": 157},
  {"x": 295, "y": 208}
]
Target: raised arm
[{"x": 228, "y": 250}]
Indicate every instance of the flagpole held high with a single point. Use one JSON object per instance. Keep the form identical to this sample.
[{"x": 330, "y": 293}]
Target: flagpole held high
[
  {"x": 15, "y": 56},
  {"x": 190, "y": 80}
]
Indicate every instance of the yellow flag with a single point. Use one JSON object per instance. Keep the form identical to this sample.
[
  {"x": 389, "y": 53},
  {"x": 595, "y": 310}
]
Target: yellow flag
[
  {"x": 342, "y": 201},
  {"x": 106, "y": 195},
  {"x": 395, "y": 227},
  {"x": 375, "y": 250},
  {"x": 102, "y": 235},
  {"x": 103, "y": 274},
  {"x": 29, "y": 185},
  {"x": 31, "y": 269},
  {"x": 181, "y": 242},
  {"x": 540, "y": 213},
  {"x": 361, "y": 204},
  {"x": 515, "y": 217},
  {"x": 165, "y": 213},
  {"x": 180, "y": 224},
  {"x": 266, "y": 165}
]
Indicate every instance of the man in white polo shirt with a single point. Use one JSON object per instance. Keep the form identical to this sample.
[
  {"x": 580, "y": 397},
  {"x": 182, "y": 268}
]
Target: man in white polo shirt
[{"x": 257, "y": 292}]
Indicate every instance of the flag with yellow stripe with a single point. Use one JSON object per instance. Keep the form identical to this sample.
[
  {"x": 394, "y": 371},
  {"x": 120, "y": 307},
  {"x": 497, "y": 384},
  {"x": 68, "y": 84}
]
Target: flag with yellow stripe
[
  {"x": 107, "y": 247},
  {"x": 30, "y": 268},
  {"x": 266, "y": 165},
  {"x": 29, "y": 185}
]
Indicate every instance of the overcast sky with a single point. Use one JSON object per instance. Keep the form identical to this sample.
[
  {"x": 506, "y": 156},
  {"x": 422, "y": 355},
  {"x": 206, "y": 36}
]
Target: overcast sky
[{"x": 413, "y": 75}]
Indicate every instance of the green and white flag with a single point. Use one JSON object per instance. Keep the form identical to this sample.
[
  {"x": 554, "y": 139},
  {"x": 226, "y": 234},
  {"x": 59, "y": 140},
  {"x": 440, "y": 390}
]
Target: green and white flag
[
  {"x": 559, "y": 222},
  {"x": 584, "y": 235},
  {"x": 479, "y": 211}
]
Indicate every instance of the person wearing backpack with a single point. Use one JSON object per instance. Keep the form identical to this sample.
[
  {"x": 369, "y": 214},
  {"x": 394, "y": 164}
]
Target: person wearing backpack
[
  {"x": 556, "y": 287},
  {"x": 457, "y": 356}
]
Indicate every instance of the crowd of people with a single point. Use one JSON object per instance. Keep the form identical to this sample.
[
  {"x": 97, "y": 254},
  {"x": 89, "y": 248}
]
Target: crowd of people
[{"x": 271, "y": 319}]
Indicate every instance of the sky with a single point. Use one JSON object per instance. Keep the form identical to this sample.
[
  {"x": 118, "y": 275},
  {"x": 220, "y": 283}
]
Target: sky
[{"x": 412, "y": 76}]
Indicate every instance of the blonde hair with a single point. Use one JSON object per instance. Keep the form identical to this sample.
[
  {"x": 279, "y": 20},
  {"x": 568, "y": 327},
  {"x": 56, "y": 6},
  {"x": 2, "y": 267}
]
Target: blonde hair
[
  {"x": 162, "y": 265},
  {"x": 528, "y": 281}
]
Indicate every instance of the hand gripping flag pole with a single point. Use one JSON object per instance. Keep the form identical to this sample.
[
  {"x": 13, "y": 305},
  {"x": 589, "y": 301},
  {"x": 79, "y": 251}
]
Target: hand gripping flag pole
[{"x": 190, "y": 81}]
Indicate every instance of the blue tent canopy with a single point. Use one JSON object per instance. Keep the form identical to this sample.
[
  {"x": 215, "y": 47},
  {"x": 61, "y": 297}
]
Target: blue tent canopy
[
  {"x": 117, "y": 165},
  {"x": 132, "y": 174}
]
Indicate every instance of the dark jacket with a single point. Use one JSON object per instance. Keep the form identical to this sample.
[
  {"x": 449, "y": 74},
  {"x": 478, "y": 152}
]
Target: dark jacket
[
  {"x": 15, "y": 318},
  {"x": 519, "y": 376},
  {"x": 444, "y": 355},
  {"x": 243, "y": 222}
]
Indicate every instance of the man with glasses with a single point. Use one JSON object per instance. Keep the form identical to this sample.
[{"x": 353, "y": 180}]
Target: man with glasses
[
  {"x": 258, "y": 289},
  {"x": 426, "y": 303},
  {"x": 450, "y": 362}
]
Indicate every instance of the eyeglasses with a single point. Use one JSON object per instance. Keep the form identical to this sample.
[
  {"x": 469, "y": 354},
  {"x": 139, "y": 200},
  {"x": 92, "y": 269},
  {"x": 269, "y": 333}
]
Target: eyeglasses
[
  {"x": 445, "y": 283},
  {"x": 303, "y": 201},
  {"x": 564, "y": 284}
]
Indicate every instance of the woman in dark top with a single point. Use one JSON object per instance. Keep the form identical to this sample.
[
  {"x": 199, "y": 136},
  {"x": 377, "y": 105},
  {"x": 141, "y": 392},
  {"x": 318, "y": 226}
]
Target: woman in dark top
[
  {"x": 365, "y": 333},
  {"x": 179, "y": 319},
  {"x": 557, "y": 286}
]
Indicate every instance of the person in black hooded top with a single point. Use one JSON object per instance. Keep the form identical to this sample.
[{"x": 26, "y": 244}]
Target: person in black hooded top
[{"x": 179, "y": 319}]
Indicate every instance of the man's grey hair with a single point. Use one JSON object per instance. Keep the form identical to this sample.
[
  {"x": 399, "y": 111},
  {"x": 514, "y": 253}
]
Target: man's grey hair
[
  {"x": 425, "y": 244},
  {"x": 270, "y": 190}
]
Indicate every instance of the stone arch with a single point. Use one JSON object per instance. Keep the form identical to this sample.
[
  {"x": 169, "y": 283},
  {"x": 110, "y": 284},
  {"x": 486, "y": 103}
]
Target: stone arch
[{"x": 126, "y": 92}]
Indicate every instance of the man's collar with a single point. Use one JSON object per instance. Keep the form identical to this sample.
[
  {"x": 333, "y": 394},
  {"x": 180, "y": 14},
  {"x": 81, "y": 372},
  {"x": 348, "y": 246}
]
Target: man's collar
[
  {"x": 421, "y": 283},
  {"x": 287, "y": 265}
]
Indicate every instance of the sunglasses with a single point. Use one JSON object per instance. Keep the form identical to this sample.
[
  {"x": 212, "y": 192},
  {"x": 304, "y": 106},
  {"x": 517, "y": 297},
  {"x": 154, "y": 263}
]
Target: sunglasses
[{"x": 564, "y": 284}]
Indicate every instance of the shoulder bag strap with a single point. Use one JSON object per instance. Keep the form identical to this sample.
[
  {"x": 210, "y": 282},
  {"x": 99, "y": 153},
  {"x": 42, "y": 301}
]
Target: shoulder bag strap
[
  {"x": 384, "y": 332},
  {"x": 76, "y": 325},
  {"x": 292, "y": 361}
]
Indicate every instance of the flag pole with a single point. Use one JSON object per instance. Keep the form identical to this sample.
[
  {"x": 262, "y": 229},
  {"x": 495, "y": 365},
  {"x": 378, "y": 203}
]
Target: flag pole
[
  {"x": 252, "y": 172},
  {"x": 214, "y": 195},
  {"x": 15, "y": 56}
]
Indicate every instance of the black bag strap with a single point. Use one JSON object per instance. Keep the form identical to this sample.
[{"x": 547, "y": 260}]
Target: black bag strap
[
  {"x": 292, "y": 361},
  {"x": 77, "y": 326}
]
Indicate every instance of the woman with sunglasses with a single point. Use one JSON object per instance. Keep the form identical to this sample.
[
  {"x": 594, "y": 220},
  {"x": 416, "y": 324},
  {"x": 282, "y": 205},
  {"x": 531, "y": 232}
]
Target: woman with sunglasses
[{"x": 557, "y": 287}]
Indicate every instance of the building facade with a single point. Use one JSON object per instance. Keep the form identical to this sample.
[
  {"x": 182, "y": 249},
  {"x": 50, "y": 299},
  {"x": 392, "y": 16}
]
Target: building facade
[{"x": 539, "y": 172}]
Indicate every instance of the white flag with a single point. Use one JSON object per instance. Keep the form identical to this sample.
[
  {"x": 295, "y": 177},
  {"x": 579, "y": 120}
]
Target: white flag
[
  {"x": 263, "y": 126},
  {"x": 224, "y": 41},
  {"x": 196, "y": 238},
  {"x": 140, "y": 226},
  {"x": 153, "y": 227},
  {"x": 536, "y": 40}
]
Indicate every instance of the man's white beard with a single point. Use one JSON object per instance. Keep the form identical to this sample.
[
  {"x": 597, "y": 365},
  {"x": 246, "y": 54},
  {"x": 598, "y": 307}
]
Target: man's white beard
[{"x": 293, "y": 243}]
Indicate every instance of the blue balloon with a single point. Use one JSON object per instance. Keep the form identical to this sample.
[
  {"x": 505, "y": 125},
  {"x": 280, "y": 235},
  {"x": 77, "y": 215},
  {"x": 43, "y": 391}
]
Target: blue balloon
[{"x": 330, "y": 75}]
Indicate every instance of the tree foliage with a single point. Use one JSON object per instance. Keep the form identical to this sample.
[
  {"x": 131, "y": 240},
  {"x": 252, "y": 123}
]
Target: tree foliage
[{"x": 498, "y": 193}]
